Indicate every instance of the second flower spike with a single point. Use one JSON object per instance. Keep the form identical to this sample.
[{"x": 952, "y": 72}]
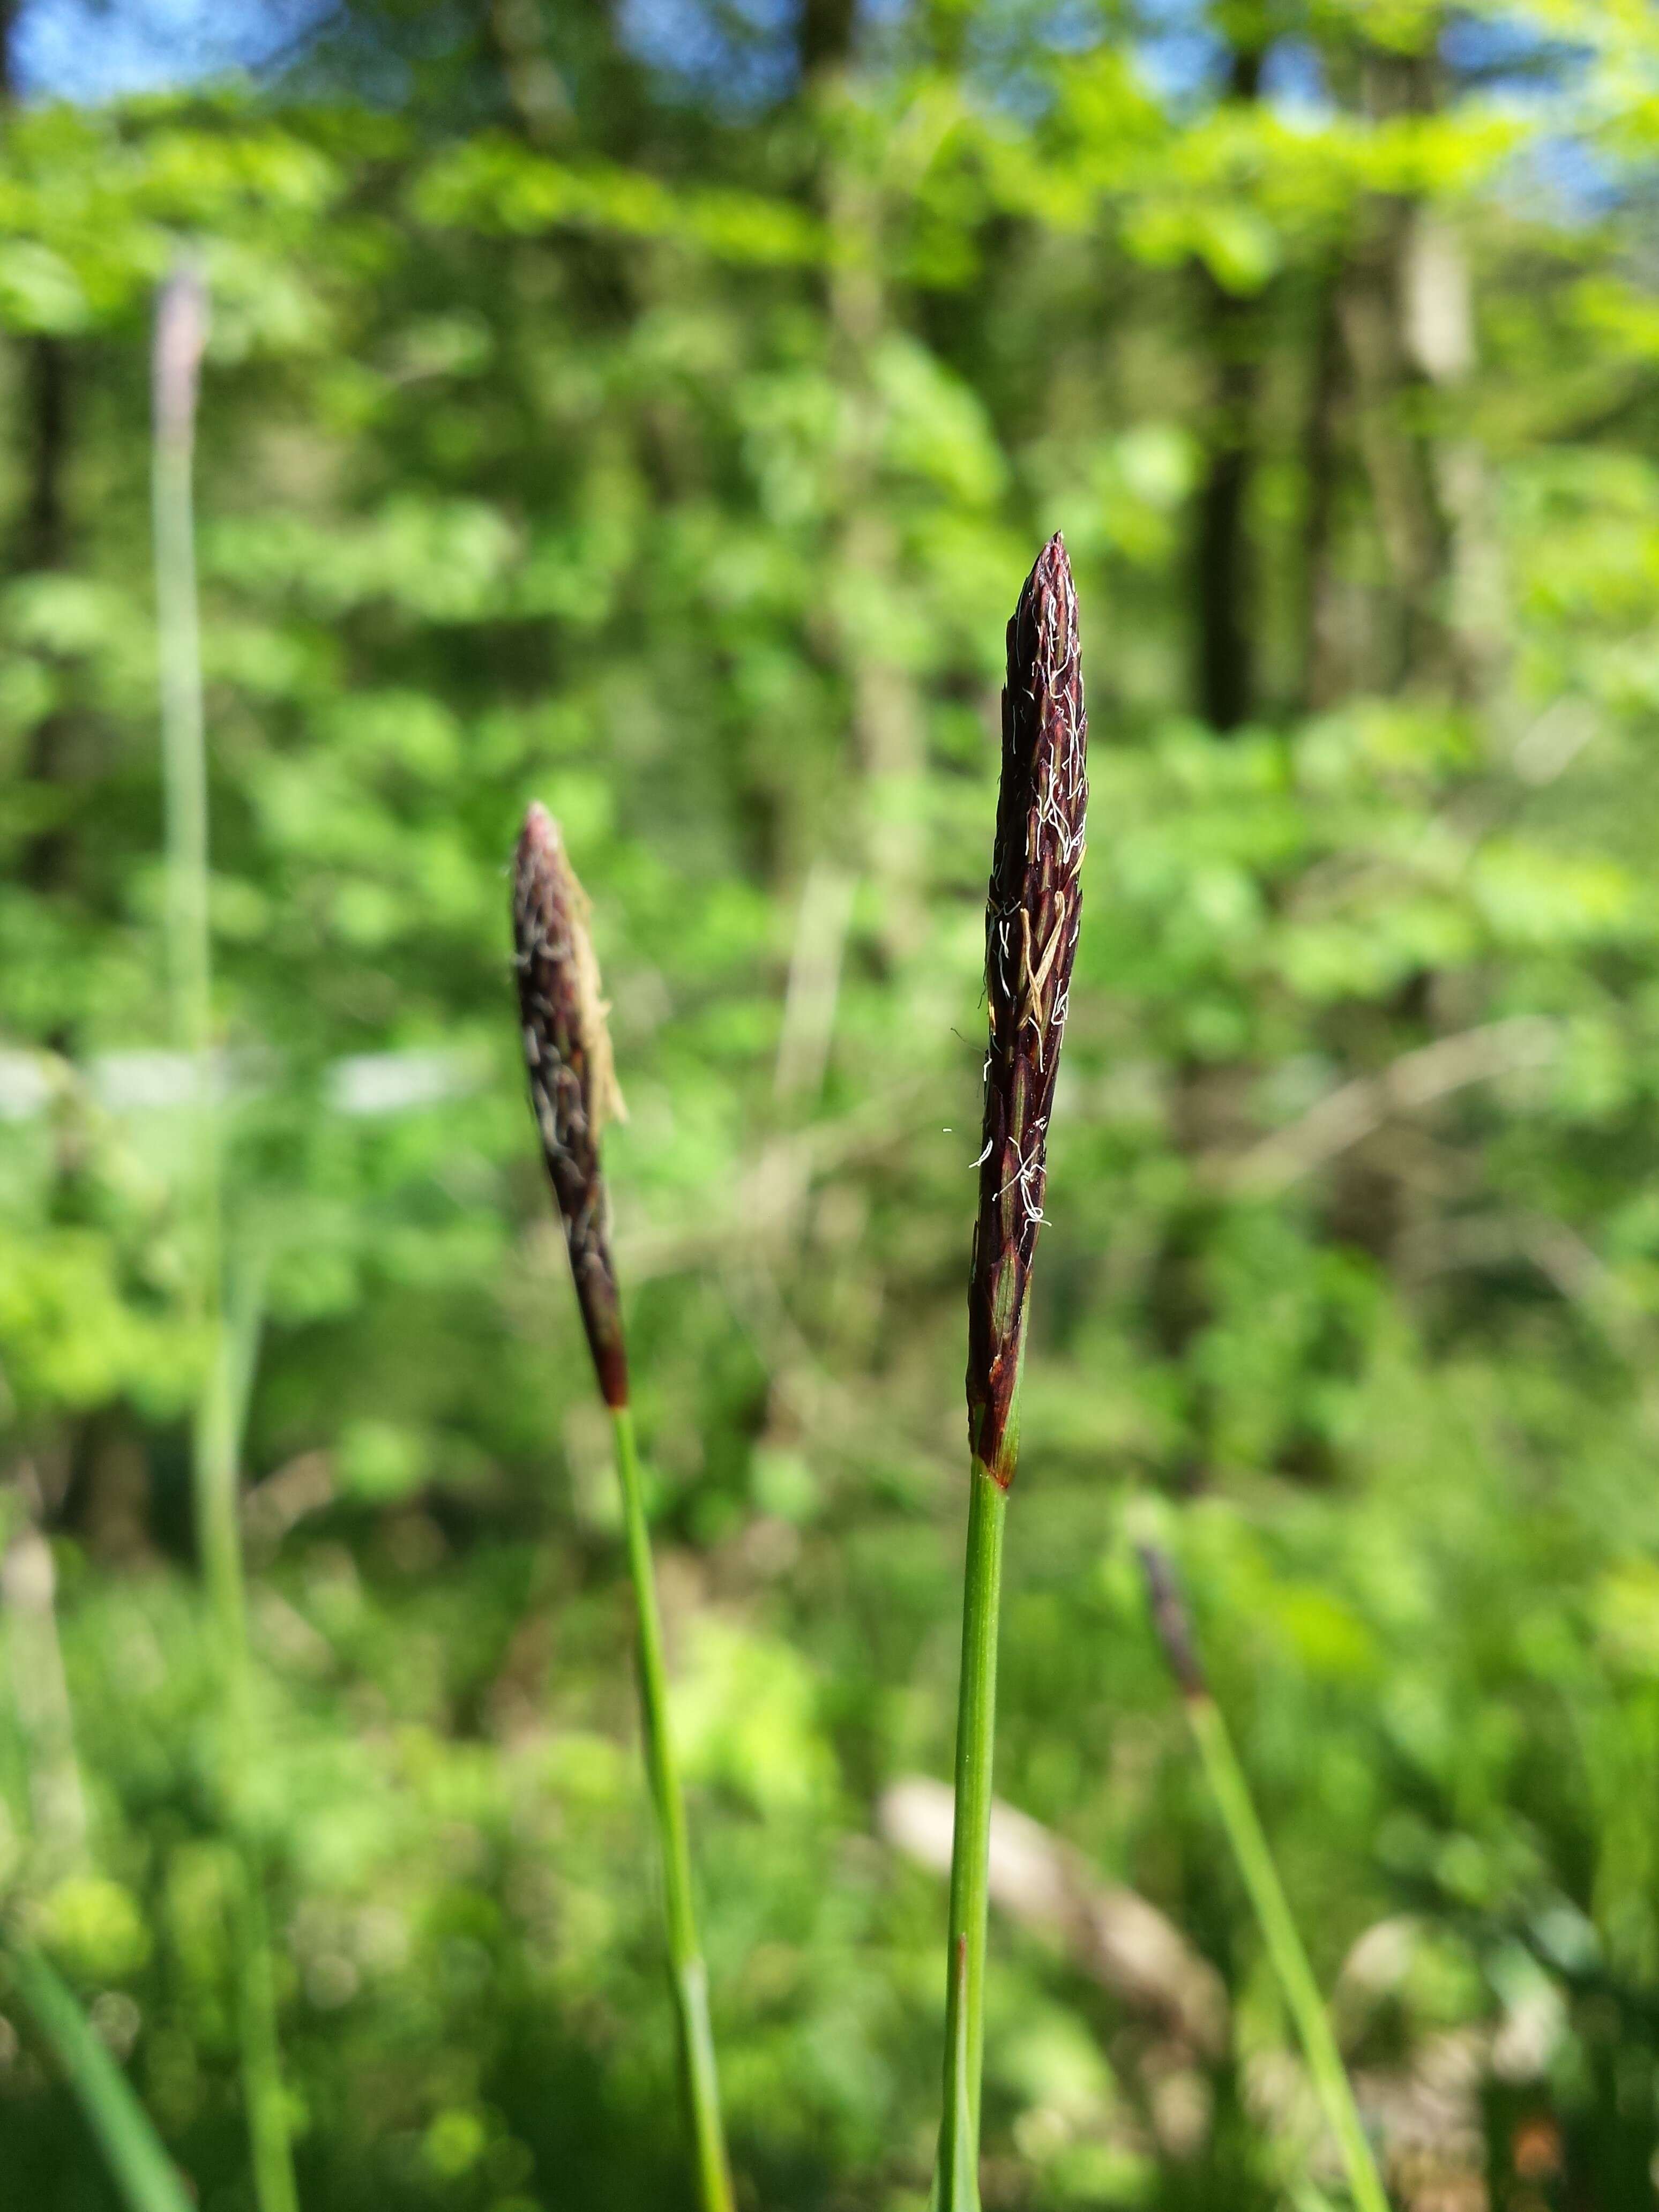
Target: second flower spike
[
  {"x": 572, "y": 1088},
  {"x": 573, "y": 1081}
]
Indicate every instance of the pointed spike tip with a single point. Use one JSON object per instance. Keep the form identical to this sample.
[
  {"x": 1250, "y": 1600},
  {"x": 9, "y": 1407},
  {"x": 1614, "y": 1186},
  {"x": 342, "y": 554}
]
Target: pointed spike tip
[
  {"x": 539, "y": 827},
  {"x": 1172, "y": 1621}
]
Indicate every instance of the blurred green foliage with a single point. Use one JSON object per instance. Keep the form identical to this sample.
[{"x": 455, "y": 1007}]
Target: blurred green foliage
[{"x": 667, "y": 438}]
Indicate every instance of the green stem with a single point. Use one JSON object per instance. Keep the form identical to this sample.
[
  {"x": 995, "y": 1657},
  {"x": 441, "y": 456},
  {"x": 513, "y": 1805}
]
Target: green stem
[
  {"x": 1254, "y": 1860},
  {"x": 262, "y": 2094},
  {"x": 218, "y": 1459},
  {"x": 145, "y": 2174},
  {"x": 957, "y": 2188},
  {"x": 688, "y": 1975},
  {"x": 216, "y": 1436}
]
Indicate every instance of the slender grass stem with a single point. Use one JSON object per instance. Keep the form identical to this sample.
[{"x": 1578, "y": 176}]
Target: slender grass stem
[
  {"x": 574, "y": 1093},
  {"x": 218, "y": 1435},
  {"x": 1254, "y": 1860},
  {"x": 145, "y": 2174},
  {"x": 180, "y": 331},
  {"x": 263, "y": 2092},
  {"x": 957, "y": 2186},
  {"x": 1260, "y": 1875},
  {"x": 687, "y": 1974}
]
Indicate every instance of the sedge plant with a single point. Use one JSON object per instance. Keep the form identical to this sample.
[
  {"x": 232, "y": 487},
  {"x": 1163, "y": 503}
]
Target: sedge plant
[
  {"x": 574, "y": 1092},
  {"x": 180, "y": 338},
  {"x": 1253, "y": 1855},
  {"x": 1031, "y": 917}
]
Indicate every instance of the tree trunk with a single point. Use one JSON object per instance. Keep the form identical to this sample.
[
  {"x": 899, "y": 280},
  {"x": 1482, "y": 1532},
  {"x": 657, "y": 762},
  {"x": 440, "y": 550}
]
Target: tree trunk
[
  {"x": 827, "y": 29},
  {"x": 1406, "y": 323},
  {"x": 41, "y": 544},
  {"x": 536, "y": 93},
  {"x": 886, "y": 713},
  {"x": 1223, "y": 592},
  {"x": 1321, "y": 647},
  {"x": 1223, "y": 584}
]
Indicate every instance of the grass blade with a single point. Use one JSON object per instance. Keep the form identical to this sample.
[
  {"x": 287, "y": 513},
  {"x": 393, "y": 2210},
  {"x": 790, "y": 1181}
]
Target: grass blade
[
  {"x": 1254, "y": 1858},
  {"x": 146, "y": 2176}
]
